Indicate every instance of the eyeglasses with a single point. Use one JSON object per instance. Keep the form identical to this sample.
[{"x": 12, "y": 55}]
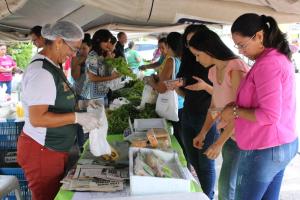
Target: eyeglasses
[
  {"x": 244, "y": 46},
  {"x": 74, "y": 49}
]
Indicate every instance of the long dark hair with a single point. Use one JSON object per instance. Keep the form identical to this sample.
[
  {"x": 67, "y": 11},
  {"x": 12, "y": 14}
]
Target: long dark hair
[
  {"x": 187, "y": 56},
  {"x": 102, "y": 35},
  {"x": 174, "y": 41},
  {"x": 250, "y": 23},
  {"x": 87, "y": 39},
  {"x": 209, "y": 42}
]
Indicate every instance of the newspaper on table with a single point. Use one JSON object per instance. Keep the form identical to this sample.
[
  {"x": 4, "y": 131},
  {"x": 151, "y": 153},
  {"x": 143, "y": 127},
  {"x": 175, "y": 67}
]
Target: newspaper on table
[{"x": 95, "y": 178}]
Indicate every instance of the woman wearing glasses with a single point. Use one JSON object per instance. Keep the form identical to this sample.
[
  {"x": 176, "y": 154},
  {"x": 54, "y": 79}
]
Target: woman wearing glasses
[
  {"x": 50, "y": 118},
  {"x": 264, "y": 111},
  {"x": 98, "y": 75}
]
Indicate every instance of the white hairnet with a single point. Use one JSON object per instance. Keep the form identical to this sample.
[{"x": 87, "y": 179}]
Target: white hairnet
[{"x": 66, "y": 30}]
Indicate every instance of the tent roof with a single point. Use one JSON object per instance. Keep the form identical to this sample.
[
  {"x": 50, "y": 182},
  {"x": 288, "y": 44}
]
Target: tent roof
[{"x": 134, "y": 15}]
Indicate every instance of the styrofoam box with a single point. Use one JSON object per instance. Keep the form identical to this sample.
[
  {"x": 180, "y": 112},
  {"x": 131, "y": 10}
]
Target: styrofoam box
[
  {"x": 145, "y": 124},
  {"x": 144, "y": 185}
]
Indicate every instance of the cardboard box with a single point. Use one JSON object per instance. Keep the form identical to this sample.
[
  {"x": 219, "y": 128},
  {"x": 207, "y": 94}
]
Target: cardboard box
[{"x": 145, "y": 185}]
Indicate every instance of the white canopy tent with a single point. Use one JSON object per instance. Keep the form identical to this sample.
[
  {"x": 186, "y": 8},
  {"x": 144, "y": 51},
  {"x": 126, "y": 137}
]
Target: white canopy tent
[{"x": 18, "y": 16}]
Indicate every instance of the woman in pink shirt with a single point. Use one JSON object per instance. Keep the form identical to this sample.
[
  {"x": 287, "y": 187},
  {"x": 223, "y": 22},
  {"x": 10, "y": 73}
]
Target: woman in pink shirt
[
  {"x": 226, "y": 72},
  {"x": 7, "y": 65},
  {"x": 264, "y": 112}
]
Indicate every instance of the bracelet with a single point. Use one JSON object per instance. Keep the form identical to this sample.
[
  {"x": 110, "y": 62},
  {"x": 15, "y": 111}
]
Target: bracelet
[{"x": 235, "y": 111}]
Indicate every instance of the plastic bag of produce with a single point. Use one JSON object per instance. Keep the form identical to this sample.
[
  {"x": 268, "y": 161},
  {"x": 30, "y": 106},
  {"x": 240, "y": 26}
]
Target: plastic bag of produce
[
  {"x": 148, "y": 96},
  {"x": 97, "y": 138}
]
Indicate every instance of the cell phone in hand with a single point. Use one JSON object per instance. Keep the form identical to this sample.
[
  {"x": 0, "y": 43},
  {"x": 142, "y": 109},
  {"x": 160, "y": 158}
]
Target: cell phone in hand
[{"x": 173, "y": 84}]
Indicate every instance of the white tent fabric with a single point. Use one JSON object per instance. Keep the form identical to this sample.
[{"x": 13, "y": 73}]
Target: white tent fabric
[
  {"x": 134, "y": 15},
  {"x": 220, "y": 11}
]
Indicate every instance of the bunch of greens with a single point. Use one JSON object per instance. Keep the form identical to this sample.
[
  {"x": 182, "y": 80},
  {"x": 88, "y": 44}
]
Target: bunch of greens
[
  {"x": 118, "y": 119},
  {"x": 121, "y": 66},
  {"x": 132, "y": 91}
]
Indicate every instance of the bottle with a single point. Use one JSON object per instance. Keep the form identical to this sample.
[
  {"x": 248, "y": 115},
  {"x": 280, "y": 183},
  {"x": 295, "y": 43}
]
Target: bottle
[{"x": 20, "y": 110}]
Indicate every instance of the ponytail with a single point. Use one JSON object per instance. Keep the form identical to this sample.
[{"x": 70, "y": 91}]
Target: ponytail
[{"x": 274, "y": 37}]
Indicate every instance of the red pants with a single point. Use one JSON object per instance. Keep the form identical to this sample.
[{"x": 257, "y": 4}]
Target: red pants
[{"x": 43, "y": 168}]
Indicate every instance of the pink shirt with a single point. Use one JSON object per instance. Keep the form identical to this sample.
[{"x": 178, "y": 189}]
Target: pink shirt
[
  {"x": 269, "y": 88},
  {"x": 222, "y": 92},
  {"x": 6, "y": 62}
]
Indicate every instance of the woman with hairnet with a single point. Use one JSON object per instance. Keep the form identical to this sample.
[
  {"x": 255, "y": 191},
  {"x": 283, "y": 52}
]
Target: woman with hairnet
[{"x": 50, "y": 118}]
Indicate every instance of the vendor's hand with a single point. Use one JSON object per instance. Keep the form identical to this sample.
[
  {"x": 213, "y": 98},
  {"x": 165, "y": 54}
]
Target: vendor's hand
[
  {"x": 200, "y": 85},
  {"x": 142, "y": 67},
  {"x": 198, "y": 141},
  {"x": 213, "y": 151},
  {"x": 227, "y": 113},
  {"x": 88, "y": 121},
  {"x": 115, "y": 75}
]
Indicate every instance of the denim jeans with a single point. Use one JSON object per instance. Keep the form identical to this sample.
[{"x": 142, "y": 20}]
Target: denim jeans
[
  {"x": 8, "y": 86},
  {"x": 204, "y": 167},
  {"x": 228, "y": 173},
  {"x": 260, "y": 172}
]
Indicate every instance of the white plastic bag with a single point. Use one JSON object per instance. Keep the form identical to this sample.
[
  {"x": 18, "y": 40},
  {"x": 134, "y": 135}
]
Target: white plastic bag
[
  {"x": 148, "y": 96},
  {"x": 97, "y": 137},
  {"x": 167, "y": 103}
]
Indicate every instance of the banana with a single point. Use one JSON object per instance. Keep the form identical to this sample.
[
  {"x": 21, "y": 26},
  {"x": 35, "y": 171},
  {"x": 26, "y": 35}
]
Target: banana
[{"x": 112, "y": 157}]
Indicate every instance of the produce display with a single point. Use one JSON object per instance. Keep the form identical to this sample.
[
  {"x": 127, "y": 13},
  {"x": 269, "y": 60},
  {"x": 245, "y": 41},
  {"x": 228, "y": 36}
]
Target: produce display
[
  {"x": 121, "y": 66},
  {"x": 118, "y": 118},
  {"x": 148, "y": 164}
]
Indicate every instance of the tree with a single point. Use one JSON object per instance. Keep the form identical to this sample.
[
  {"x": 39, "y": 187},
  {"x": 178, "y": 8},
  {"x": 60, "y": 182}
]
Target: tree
[{"x": 21, "y": 52}]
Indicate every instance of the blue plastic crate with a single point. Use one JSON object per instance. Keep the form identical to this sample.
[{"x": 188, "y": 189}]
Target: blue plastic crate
[
  {"x": 9, "y": 132},
  {"x": 18, "y": 172}
]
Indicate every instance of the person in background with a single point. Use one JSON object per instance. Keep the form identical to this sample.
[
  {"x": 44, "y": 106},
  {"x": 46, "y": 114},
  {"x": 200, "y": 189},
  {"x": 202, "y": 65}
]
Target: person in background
[
  {"x": 112, "y": 47},
  {"x": 122, "y": 40},
  {"x": 98, "y": 75},
  {"x": 133, "y": 58},
  {"x": 36, "y": 37},
  {"x": 196, "y": 104},
  {"x": 174, "y": 50},
  {"x": 7, "y": 65},
  {"x": 78, "y": 68},
  {"x": 67, "y": 69},
  {"x": 264, "y": 110},
  {"x": 226, "y": 70},
  {"x": 50, "y": 118},
  {"x": 156, "y": 55},
  {"x": 162, "y": 45},
  {"x": 78, "y": 73}
]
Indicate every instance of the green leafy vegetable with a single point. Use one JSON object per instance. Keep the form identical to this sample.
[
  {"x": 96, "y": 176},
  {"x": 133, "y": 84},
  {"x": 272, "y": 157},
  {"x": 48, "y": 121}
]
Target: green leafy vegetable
[{"x": 121, "y": 66}]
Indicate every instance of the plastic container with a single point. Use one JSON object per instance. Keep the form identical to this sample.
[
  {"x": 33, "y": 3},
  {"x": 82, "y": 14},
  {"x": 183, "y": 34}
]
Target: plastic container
[
  {"x": 148, "y": 185},
  {"x": 18, "y": 172},
  {"x": 9, "y": 132}
]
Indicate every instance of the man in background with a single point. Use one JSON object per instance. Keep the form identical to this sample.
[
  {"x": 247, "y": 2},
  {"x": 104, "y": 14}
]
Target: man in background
[
  {"x": 122, "y": 40},
  {"x": 36, "y": 37}
]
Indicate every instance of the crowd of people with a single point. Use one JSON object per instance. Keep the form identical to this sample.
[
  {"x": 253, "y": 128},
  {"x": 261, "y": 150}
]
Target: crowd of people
[{"x": 226, "y": 107}]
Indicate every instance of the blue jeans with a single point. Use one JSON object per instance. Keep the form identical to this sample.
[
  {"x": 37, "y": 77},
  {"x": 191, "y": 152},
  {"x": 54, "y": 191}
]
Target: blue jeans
[
  {"x": 8, "y": 86},
  {"x": 228, "y": 173},
  {"x": 204, "y": 167},
  {"x": 260, "y": 172}
]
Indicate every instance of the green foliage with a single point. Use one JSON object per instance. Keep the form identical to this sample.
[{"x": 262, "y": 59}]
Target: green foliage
[
  {"x": 21, "y": 52},
  {"x": 121, "y": 66},
  {"x": 118, "y": 119}
]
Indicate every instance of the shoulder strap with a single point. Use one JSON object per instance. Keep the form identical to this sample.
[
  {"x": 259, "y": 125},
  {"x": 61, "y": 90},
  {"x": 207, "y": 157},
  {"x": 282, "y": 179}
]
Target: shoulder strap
[{"x": 174, "y": 68}]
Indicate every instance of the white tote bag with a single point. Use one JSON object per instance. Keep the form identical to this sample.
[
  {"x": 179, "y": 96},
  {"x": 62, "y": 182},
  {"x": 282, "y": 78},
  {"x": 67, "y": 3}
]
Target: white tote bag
[{"x": 167, "y": 103}]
